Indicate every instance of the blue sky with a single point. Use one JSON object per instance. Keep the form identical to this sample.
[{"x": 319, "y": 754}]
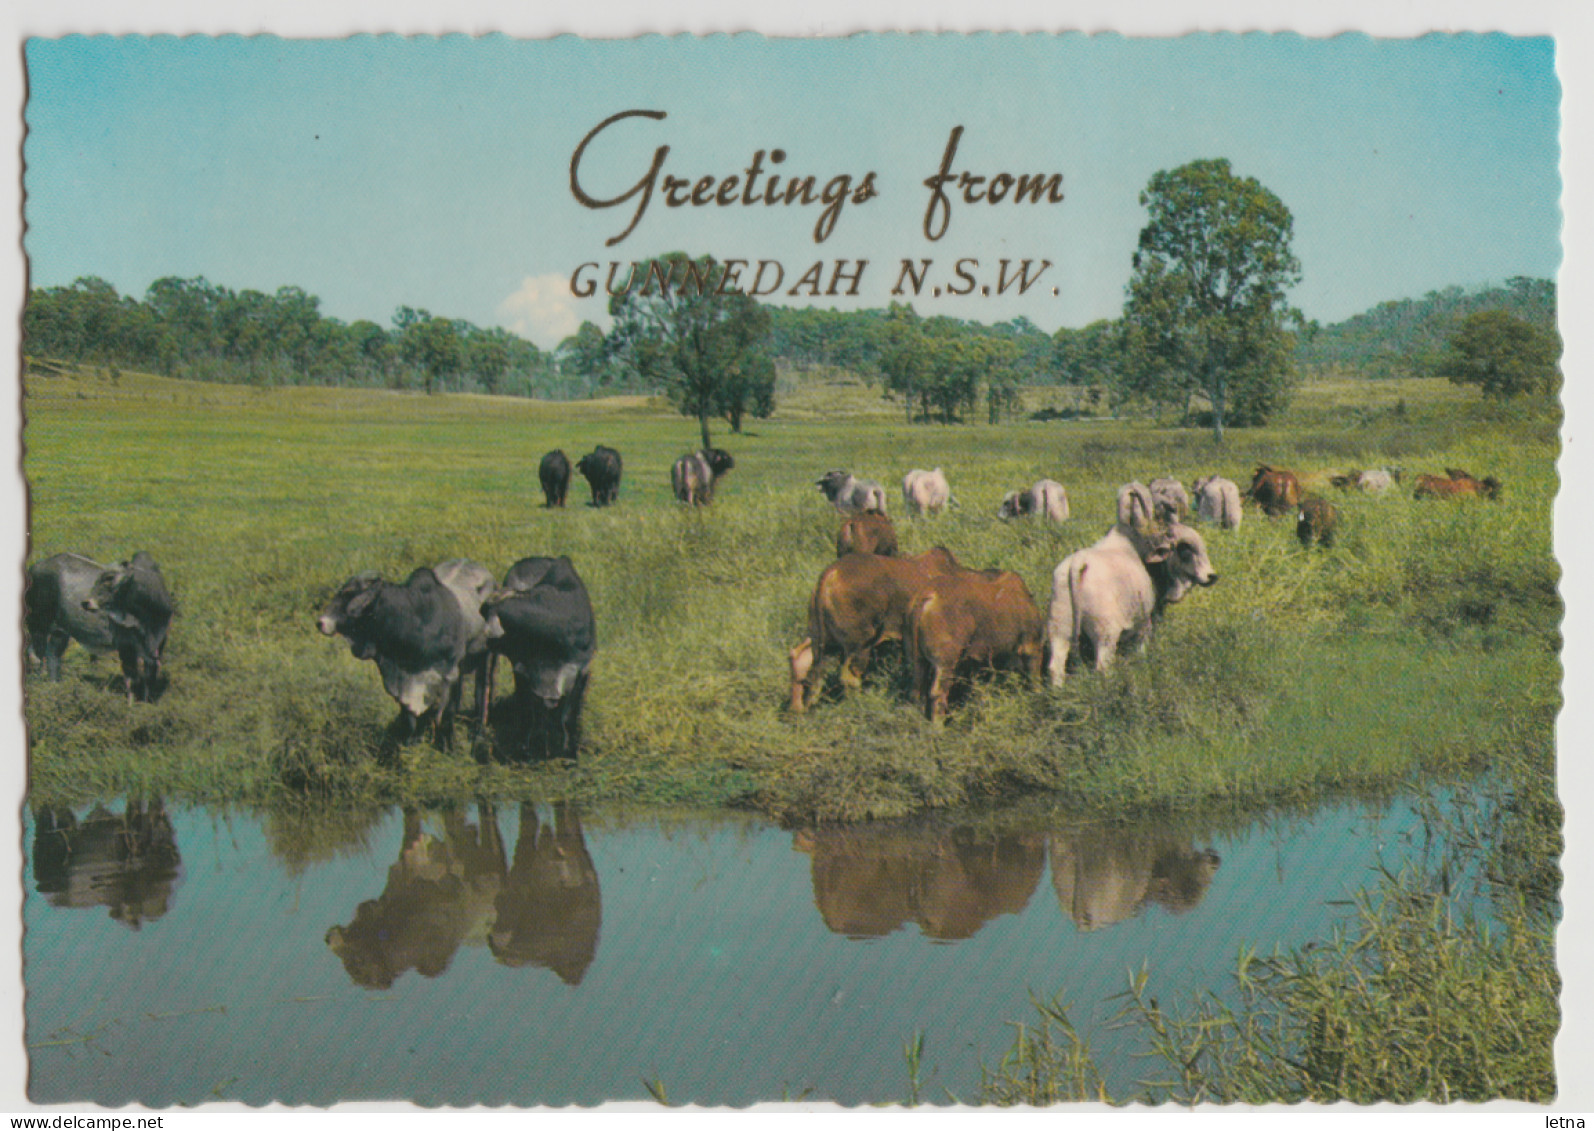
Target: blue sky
[{"x": 384, "y": 171}]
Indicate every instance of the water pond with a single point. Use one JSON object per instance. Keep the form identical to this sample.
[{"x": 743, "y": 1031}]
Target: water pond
[{"x": 528, "y": 954}]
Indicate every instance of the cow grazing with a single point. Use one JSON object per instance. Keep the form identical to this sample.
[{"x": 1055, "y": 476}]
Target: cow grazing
[
  {"x": 1135, "y": 504},
  {"x": 1217, "y": 500},
  {"x": 53, "y": 611},
  {"x": 554, "y": 475},
  {"x": 1457, "y": 485},
  {"x": 867, "y": 534},
  {"x": 860, "y": 602},
  {"x": 1046, "y": 498},
  {"x": 925, "y": 492},
  {"x": 1275, "y": 491},
  {"x": 1168, "y": 500},
  {"x": 693, "y": 476},
  {"x": 986, "y": 618},
  {"x": 1316, "y": 521},
  {"x": 424, "y": 635},
  {"x": 1378, "y": 480},
  {"x": 134, "y": 599},
  {"x": 541, "y": 620},
  {"x": 601, "y": 469},
  {"x": 851, "y": 495},
  {"x": 1106, "y": 596}
]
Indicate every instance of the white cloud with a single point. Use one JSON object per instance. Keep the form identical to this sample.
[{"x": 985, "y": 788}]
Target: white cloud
[{"x": 543, "y": 310}]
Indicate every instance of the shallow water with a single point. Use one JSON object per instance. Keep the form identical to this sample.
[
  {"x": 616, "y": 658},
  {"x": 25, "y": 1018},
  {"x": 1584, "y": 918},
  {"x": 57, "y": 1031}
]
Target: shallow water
[{"x": 530, "y": 955}]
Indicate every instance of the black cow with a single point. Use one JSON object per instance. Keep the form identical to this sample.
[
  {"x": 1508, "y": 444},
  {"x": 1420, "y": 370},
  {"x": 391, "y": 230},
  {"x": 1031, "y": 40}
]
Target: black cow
[
  {"x": 542, "y": 621},
  {"x": 601, "y": 467},
  {"x": 554, "y": 473},
  {"x": 133, "y": 598},
  {"x": 424, "y": 636},
  {"x": 54, "y": 614}
]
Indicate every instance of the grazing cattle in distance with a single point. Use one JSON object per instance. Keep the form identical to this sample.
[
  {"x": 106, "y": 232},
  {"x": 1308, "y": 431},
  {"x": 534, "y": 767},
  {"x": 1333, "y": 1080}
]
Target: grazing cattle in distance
[
  {"x": 601, "y": 469},
  {"x": 925, "y": 492},
  {"x": 1135, "y": 505},
  {"x": 1316, "y": 521},
  {"x": 693, "y": 476},
  {"x": 54, "y": 615},
  {"x": 986, "y": 618},
  {"x": 424, "y": 636},
  {"x": 134, "y": 599},
  {"x": 1168, "y": 500},
  {"x": 541, "y": 620},
  {"x": 1377, "y": 480},
  {"x": 1458, "y": 485},
  {"x": 867, "y": 534},
  {"x": 554, "y": 475},
  {"x": 851, "y": 495},
  {"x": 860, "y": 602},
  {"x": 1046, "y": 498},
  {"x": 1276, "y": 491},
  {"x": 1106, "y": 596},
  {"x": 1217, "y": 500}
]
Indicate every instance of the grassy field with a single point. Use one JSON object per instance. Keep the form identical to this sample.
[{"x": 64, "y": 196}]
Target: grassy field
[{"x": 1426, "y": 640}]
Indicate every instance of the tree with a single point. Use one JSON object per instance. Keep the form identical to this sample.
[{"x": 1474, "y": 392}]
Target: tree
[
  {"x": 1206, "y": 299},
  {"x": 707, "y": 348},
  {"x": 1503, "y": 355},
  {"x": 430, "y": 343}
]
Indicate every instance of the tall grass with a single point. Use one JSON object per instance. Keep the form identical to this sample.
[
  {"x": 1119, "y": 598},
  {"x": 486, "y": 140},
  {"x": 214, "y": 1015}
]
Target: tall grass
[{"x": 1427, "y": 639}]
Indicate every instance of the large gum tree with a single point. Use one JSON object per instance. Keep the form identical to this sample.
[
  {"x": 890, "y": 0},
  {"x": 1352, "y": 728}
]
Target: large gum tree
[{"x": 1206, "y": 304}]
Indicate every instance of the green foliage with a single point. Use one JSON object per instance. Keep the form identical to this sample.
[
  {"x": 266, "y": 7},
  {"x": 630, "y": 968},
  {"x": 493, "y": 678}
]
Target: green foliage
[
  {"x": 1206, "y": 311},
  {"x": 1407, "y": 337},
  {"x": 1503, "y": 355},
  {"x": 937, "y": 366},
  {"x": 707, "y": 348}
]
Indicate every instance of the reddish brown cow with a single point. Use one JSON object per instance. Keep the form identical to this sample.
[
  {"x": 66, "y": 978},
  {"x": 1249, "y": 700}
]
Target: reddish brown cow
[
  {"x": 860, "y": 602},
  {"x": 1458, "y": 485},
  {"x": 1275, "y": 490},
  {"x": 984, "y": 618},
  {"x": 867, "y": 534}
]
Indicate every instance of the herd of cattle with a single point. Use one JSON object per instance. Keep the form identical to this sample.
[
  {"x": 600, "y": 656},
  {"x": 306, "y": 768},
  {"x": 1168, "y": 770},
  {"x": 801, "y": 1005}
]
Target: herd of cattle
[{"x": 455, "y": 619}]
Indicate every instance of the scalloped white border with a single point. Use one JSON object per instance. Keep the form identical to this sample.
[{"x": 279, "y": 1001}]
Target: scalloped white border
[{"x": 1571, "y": 22}]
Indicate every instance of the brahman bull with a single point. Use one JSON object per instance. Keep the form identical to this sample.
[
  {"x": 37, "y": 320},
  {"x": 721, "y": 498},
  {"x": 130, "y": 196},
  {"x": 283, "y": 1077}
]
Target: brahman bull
[
  {"x": 1045, "y": 498},
  {"x": 867, "y": 534},
  {"x": 860, "y": 602},
  {"x": 925, "y": 492},
  {"x": 1274, "y": 490},
  {"x": 1106, "y": 596},
  {"x": 851, "y": 495},
  {"x": 1169, "y": 501},
  {"x": 986, "y": 618},
  {"x": 1217, "y": 500},
  {"x": 693, "y": 476},
  {"x": 1458, "y": 485},
  {"x": 1135, "y": 504}
]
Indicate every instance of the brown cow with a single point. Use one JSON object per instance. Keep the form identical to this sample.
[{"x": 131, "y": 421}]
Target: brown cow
[
  {"x": 981, "y": 618},
  {"x": 860, "y": 602},
  {"x": 867, "y": 534},
  {"x": 1275, "y": 490},
  {"x": 1316, "y": 522},
  {"x": 1458, "y": 485}
]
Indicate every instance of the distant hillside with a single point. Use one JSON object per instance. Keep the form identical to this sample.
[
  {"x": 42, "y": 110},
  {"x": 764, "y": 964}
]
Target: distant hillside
[{"x": 1398, "y": 338}]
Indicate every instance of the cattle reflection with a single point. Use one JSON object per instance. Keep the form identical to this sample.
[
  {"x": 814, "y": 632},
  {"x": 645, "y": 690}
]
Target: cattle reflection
[
  {"x": 871, "y": 880},
  {"x": 438, "y": 892},
  {"x": 540, "y": 909},
  {"x": 1103, "y": 876},
  {"x": 127, "y": 862},
  {"x": 550, "y": 909}
]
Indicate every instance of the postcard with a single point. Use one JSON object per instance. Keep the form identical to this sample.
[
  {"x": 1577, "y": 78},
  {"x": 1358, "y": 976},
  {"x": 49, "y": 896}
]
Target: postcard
[{"x": 913, "y": 569}]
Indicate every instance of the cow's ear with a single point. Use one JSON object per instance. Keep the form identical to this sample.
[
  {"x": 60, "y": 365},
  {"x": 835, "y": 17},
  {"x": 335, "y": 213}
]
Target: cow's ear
[{"x": 361, "y": 602}]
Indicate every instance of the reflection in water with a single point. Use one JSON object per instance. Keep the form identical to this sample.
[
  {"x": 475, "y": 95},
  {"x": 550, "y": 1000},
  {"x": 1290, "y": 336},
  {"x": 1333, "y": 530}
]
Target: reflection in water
[
  {"x": 543, "y": 910},
  {"x": 871, "y": 879},
  {"x": 128, "y": 863},
  {"x": 437, "y": 893},
  {"x": 1103, "y": 876},
  {"x": 549, "y": 909}
]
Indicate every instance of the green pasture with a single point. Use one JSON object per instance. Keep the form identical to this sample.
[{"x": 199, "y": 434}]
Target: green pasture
[{"x": 1425, "y": 640}]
